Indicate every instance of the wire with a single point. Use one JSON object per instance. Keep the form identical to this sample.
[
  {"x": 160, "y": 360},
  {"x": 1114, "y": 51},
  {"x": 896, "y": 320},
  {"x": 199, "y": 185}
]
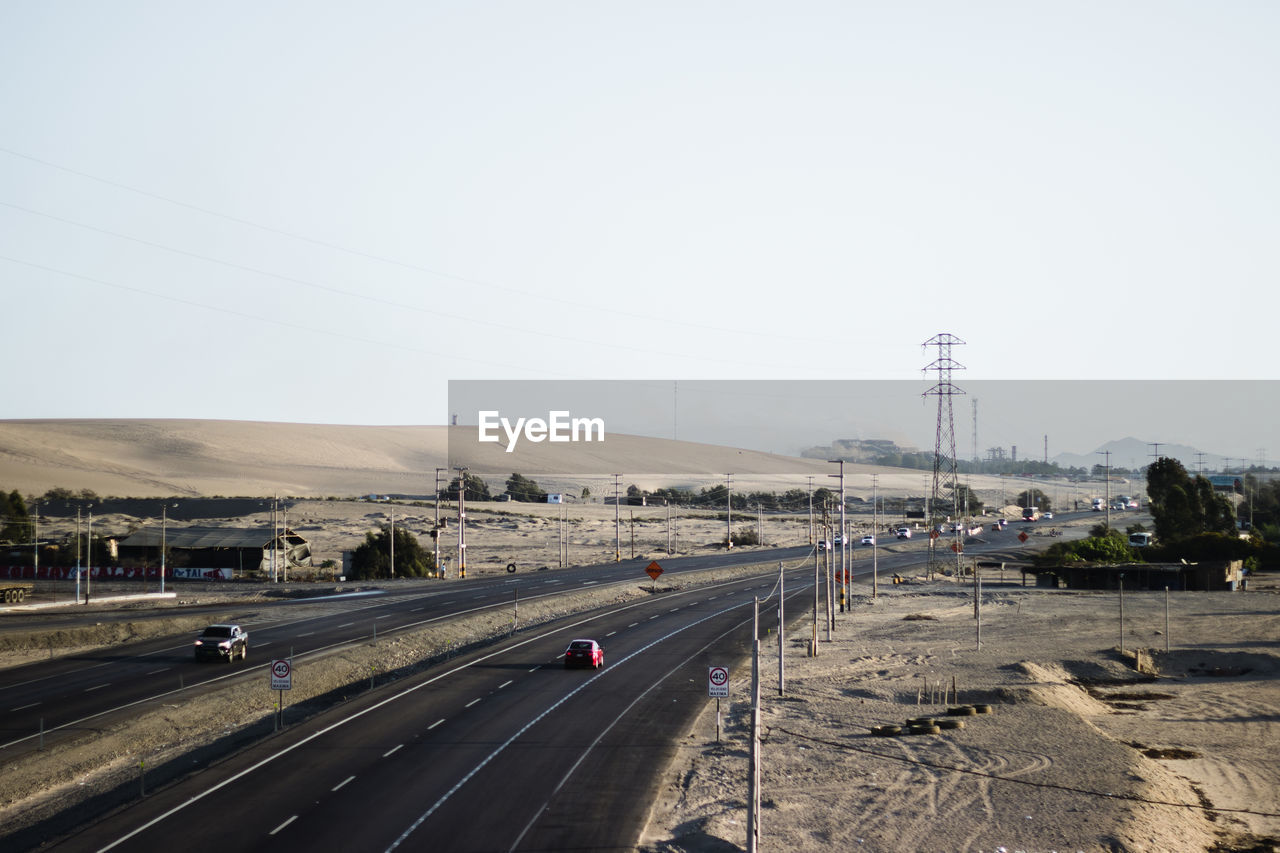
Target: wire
[
  {"x": 364, "y": 296},
  {"x": 272, "y": 320},
  {"x": 1047, "y": 785},
  {"x": 664, "y": 321}
]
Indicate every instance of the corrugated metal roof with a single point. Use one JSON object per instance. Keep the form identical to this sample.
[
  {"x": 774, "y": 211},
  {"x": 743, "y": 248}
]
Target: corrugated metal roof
[{"x": 207, "y": 537}]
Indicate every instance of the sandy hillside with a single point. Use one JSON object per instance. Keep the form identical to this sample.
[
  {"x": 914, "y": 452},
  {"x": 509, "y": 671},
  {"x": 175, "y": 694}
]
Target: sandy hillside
[{"x": 149, "y": 458}]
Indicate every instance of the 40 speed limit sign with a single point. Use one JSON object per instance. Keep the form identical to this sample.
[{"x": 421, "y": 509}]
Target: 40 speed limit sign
[
  {"x": 718, "y": 682},
  {"x": 282, "y": 674}
]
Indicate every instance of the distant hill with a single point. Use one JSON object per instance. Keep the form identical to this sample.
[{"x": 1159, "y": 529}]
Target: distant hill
[{"x": 1134, "y": 453}]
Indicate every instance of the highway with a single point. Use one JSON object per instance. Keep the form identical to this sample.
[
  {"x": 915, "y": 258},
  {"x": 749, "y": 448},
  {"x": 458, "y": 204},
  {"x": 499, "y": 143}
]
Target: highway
[{"x": 500, "y": 749}]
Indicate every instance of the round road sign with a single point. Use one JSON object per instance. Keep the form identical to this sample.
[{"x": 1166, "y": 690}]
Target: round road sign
[{"x": 280, "y": 668}]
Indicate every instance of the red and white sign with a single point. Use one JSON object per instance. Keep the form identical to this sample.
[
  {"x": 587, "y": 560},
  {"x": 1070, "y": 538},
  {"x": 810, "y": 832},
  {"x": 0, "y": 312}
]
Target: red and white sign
[
  {"x": 282, "y": 674},
  {"x": 718, "y": 682}
]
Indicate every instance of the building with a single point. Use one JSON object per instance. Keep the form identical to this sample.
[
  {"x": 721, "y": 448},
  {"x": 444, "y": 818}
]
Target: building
[{"x": 217, "y": 552}]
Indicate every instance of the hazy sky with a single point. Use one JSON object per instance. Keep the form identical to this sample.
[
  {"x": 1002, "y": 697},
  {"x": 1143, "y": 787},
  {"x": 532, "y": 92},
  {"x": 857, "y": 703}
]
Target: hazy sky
[{"x": 323, "y": 212}]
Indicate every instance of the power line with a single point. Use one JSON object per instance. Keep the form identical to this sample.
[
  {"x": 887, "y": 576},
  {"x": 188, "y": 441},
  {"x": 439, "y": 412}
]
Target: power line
[
  {"x": 665, "y": 320},
  {"x": 446, "y": 315}
]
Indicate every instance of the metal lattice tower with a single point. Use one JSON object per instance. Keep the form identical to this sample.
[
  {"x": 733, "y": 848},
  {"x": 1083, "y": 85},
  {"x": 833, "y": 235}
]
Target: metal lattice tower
[{"x": 946, "y": 490}]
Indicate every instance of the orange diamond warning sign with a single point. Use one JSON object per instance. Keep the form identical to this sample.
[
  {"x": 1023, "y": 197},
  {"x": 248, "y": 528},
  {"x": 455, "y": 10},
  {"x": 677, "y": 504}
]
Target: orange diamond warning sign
[{"x": 653, "y": 570}]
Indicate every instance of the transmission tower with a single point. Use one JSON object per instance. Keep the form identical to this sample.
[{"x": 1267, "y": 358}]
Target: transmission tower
[{"x": 946, "y": 491}]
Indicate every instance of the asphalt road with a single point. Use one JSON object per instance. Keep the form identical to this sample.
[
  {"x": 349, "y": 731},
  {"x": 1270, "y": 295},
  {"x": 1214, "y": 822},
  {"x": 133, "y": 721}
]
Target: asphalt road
[{"x": 503, "y": 750}]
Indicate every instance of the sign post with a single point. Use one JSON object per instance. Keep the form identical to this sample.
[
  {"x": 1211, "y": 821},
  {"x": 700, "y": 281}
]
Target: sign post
[
  {"x": 718, "y": 688},
  {"x": 653, "y": 570},
  {"x": 281, "y": 680}
]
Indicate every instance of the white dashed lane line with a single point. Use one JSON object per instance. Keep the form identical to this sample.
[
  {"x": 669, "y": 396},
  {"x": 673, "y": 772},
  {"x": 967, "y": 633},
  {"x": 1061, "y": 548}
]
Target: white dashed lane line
[
  {"x": 340, "y": 784},
  {"x": 158, "y": 671},
  {"x": 283, "y": 825},
  {"x": 23, "y": 707},
  {"x": 611, "y": 633},
  {"x": 472, "y": 702},
  {"x": 392, "y": 751},
  {"x": 503, "y": 684},
  {"x": 97, "y": 687},
  {"x": 433, "y": 725},
  {"x": 633, "y": 624}
]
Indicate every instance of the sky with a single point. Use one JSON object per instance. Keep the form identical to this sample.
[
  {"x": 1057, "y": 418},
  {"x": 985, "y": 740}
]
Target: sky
[{"x": 325, "y": 212}]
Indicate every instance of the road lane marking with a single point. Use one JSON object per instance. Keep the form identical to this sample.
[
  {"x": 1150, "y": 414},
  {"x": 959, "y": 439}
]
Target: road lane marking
[
  {"x": 472, "y": 702},
  {"x": 261, "y": 645},
  {"x": 633, "y": 624},
  {"x": 655, "y": 616},
  {"x": 503, "y": 684},
  {"x": 417, "y": 609},
  {"x": 97, "y": 687},
  {"x": 340, "y": 784},
  {"x": 308, "y": 634},
  {"x": 383, "y": 616},
  {"x": 392, "y": 751},
  {"x": 611, "y": 633},
  {"x": 158, "y": 671},
  {"x": 283, "y": 825},
  {"x": 346, "y": 624},
  {"x": 23, "y": 707},
  {"x": 433, "y": 725},
  {"x": 673, "y": 610}
]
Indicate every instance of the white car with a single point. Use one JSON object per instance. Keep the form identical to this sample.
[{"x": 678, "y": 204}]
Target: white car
[
  {"x": 868, "y": 539},
  {"x": 904, "y": 532}
]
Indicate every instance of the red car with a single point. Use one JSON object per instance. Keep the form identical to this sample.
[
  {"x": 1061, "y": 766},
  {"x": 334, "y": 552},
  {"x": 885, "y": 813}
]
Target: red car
[{"x": 584, "y": 653}]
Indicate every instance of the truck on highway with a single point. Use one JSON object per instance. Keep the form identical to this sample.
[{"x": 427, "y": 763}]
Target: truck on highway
[
  {"x": 13, "y": 592},
  {"x": 1099, "y": 505},
  {"x": 222, "y": 642}
]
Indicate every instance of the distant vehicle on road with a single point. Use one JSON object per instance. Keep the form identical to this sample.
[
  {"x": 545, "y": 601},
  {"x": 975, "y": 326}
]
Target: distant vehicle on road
[
  {"x": 1030, "y": 514},
  {"x": 584, "y": 653},
  {"x": 1099, "y": 505},
  {"x": 222, "y": 642},
  {"x": 904, "y": 532},
  {"x": 1139, "y": 540},
  {"x": 1047, "y": 515},
  {"x": 868, "y": 539}
]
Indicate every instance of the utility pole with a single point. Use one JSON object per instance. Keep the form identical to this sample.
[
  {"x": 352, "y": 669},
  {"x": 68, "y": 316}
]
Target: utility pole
[
  {"x": 875, "y": 534},
  {"x": 164, "y": 525},
  {"x": 462, "y": 522},
  {"x": 811, "y": 509},
  {"x": 1107, "y": 475},
  {"x": 275, "y": 538},
  {"x": 435, "y": 534},
  {"x": 668, "y": 505},
  {"x": 617, "y": 519},
  {"x": 728, "y": 504},
  {"x": 842, "y": 536}
]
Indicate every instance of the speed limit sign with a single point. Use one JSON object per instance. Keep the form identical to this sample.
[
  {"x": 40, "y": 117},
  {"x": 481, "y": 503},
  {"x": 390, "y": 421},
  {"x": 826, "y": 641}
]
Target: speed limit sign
[
  {"x": 718, "y": 682},
  {"x": 282, "y": 674}
]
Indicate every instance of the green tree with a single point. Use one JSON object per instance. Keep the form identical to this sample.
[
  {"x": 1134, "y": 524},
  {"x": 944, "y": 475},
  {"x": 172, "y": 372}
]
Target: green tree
[
  {"x": 521, "y": 488},
  {"x": 1109, "y": 547},
  {"x": 373, "y": 558},
  {"x": 15, "y": 524},
  {"x": 477, "y": 489},
  {"x": 1182, "y": 507},
  {"x": 1035, "y": 498}
]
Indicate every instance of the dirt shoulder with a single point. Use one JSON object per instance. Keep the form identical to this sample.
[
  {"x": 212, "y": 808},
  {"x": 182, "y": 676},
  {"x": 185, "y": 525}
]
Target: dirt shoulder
[{"x": 1087, "y": 748}]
